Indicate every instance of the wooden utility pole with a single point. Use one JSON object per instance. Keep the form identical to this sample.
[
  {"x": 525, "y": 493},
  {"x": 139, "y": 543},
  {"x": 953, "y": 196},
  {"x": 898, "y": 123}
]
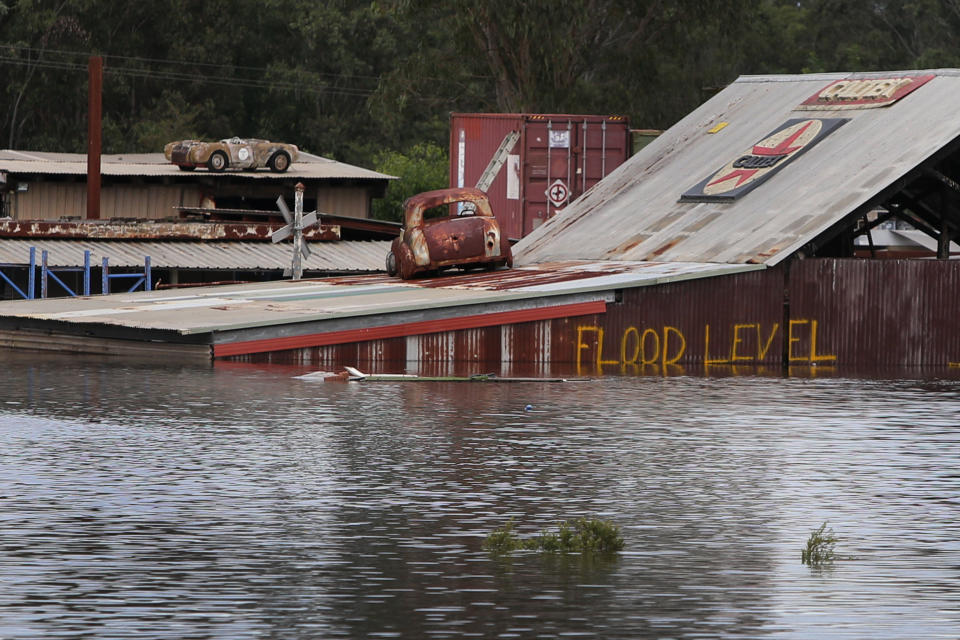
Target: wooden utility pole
[{"x": 94, "y": 126}]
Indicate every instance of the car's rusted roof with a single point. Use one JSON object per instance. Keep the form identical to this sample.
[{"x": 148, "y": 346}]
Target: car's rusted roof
[{"x": 438, "y": 197}]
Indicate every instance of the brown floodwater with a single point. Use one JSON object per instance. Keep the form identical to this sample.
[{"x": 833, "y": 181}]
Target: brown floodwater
[{"x": 238, "y": 501}]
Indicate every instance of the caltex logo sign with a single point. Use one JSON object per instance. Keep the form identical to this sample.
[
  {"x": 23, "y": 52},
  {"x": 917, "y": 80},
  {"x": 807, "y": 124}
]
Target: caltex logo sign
[
  {"x": 863, "y": 93},
  {"x": 758, "y": 164}
]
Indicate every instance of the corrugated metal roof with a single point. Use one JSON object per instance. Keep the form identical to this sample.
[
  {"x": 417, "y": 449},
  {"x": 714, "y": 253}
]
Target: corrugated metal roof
[
  {"x": 326, "y": 256},
  {"x": 272, "y": 304},
  {"x": 575, "y": 276},
  {"x": 636, "y": 212},
  {"x": 154, "y": 164}
]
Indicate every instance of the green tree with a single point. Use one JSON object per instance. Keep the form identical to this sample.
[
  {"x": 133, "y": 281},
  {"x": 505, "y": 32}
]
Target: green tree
[
  {"x": 423, "y": 168},
  {"x": 354, "y": 79}
]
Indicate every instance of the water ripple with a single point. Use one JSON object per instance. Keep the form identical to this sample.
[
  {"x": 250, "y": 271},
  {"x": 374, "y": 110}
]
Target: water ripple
[{"x": 236, "y": 502}]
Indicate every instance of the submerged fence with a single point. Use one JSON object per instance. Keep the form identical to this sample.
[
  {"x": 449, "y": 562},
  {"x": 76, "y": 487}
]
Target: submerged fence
[{"x": 49, "y": 275}]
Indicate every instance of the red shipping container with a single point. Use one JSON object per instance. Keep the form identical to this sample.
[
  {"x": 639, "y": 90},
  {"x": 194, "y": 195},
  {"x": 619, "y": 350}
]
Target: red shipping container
[{"x": 554, "y": 160}]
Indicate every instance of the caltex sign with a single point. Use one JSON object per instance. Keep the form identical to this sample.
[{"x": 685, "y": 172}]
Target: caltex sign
[
  {"x": 863, "y": 93},
  {"x": 758, "y": 164}
]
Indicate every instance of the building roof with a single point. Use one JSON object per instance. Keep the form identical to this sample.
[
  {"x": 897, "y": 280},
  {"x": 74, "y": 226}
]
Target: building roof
[
  {"x": 639, "y": 212},
  {"x": 308, "y": 166},
  {"x": 269, "y": 307},
  {"x": 336, "y": 257}
]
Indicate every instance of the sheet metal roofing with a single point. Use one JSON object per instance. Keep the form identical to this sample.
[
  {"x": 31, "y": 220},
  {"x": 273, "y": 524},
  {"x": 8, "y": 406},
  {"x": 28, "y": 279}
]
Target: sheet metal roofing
[
  {"x": 636, "y": 213},
  {"x": 271, "y": 304},
  {"x": 343, "y": 256},
  {"x": 308, "y": 166}
]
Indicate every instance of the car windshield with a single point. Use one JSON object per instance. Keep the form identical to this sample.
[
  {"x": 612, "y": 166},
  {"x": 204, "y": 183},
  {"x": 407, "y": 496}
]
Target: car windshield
[{"x": 442, "y": 211}]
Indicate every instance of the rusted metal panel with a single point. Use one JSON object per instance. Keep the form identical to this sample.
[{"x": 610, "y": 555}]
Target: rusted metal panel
[
  {"x": 875, "y": 312},
  {"x": 194, "y": 231},
  {"x": 461, "y": 238},
  {"x": 346, "y": 256},
  {"x": 584, "y": 149},
  {"x": 355, "y": 228}
]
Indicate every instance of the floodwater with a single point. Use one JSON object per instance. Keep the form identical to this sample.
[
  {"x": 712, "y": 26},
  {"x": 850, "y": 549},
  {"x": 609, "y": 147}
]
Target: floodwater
[{"x": 235, "y": 501}]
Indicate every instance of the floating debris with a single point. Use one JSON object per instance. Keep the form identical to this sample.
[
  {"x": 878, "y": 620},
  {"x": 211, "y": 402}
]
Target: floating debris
[
  {"x": 352, "y": 374},
  {"x": 324, "y": 376}
]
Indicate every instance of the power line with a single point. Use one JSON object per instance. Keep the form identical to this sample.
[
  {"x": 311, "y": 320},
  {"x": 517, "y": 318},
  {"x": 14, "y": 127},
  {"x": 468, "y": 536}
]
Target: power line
[
  {"x": 212, "y": 65},
  {"x": 279, "y": 85},
  {"x": 304, "y": 86}
]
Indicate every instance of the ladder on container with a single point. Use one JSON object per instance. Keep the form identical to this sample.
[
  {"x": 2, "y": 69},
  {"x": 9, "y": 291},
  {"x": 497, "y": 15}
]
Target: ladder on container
[{"x": 496, "y": 162}]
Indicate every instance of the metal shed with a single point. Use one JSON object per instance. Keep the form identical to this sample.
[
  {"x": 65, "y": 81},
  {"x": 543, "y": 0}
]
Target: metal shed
[
  {"x": 50, "y": 186},
  {"x": 894, "y": 156}
]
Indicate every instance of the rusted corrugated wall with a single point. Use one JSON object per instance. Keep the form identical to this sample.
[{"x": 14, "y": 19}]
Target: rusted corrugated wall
[
  {"x": 809, "y": 313},
  {"x": 729, "y": 320},
  {"x": 880, "y": 312}
]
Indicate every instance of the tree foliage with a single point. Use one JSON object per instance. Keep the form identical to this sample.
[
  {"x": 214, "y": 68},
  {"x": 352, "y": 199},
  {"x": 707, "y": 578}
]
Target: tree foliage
[
  {"x": 421, "y": 169},
  {"x": 361, "y": 80}
]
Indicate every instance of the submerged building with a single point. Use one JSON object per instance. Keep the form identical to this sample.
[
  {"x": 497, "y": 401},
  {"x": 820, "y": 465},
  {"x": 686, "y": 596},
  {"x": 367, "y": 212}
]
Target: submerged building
[
  {"x": 194, "y": 226},
  {"x": 740, "y": 237}
]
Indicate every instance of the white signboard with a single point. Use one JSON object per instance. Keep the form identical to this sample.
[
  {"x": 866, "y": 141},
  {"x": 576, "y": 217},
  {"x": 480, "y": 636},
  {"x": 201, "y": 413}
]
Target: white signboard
[
  {"x": 513, "y": 177},
  {"x": 559, "y": 139}
]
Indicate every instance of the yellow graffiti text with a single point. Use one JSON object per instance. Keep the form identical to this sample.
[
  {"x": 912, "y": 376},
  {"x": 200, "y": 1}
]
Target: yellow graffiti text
[{"x": 730, "y": 345}]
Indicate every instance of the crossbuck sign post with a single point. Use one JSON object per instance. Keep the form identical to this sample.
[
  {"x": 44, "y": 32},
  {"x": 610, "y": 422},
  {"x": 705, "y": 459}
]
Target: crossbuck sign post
[{"x": 296, "y": 223}]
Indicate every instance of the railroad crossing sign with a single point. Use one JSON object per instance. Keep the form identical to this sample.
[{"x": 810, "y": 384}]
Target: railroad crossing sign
[
  {"x": 557, "y": 192},
  {"x": 296, "y": 223}
]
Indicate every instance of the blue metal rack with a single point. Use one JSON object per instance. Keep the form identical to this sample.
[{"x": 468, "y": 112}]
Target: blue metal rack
[
  {"x": 47, "y": 273},
  {"x": 31, "y": 284},
  {"x": 144, "y": 278}
]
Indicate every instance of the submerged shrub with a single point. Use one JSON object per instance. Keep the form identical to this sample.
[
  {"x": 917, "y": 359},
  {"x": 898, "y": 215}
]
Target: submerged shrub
[
  {"x": 820, "y": 546},
  {"x": 583, "y": 535},
  {"x": 503, "y": 540}
]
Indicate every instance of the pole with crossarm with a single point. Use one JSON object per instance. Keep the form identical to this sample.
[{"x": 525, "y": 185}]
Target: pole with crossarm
[
  {"x": 296, "y": 221},
  {"x": 297, "y": 266}
]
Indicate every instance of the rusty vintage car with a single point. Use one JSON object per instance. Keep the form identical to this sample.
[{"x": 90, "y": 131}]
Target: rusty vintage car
[
  {"x": 237, "y": 153},
  {"x": 467, "y": 236}
]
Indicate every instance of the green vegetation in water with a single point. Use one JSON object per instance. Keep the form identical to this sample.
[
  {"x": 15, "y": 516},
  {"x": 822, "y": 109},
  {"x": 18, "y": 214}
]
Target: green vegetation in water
[
  {"x": 582, "y": 535},
  {"x": 820, "y": 547}
]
